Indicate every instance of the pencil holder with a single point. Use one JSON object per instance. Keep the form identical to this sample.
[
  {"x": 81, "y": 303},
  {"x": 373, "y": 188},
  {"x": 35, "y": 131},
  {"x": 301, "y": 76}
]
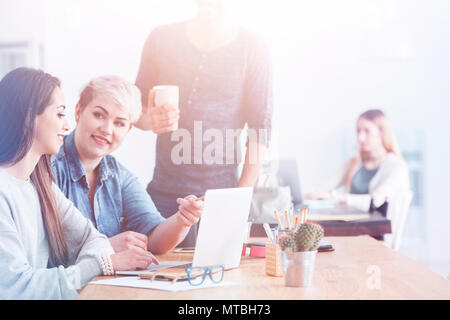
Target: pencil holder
[{"x": 274, "y": 266}]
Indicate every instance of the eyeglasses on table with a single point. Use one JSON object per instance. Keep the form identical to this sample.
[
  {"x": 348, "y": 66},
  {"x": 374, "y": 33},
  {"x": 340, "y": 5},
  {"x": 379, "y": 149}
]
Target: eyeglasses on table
[{"x": 197, "y": 275}]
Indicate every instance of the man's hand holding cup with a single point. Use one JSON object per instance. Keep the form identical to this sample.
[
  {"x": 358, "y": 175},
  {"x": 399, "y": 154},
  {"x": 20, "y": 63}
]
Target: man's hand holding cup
[{"x": 163, "y": 108}]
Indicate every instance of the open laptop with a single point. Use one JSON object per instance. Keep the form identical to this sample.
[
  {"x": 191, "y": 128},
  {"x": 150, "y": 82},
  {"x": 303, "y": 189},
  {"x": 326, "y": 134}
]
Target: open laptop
[
  {"x": 221, "y": 233},
  {"x": 223, "y": 227}
]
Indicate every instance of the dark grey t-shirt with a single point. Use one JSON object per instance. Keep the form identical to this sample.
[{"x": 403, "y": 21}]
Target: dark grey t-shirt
[{"x": 220, "y": 90}]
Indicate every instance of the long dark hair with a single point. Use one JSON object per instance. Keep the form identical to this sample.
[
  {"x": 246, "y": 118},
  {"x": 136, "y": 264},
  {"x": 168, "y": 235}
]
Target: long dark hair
[{"x": 24, "y": 94}]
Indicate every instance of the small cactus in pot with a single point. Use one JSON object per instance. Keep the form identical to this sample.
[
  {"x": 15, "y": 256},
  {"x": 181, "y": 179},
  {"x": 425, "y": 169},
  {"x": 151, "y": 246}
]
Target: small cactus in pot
[
  {"x": 288, "y": 243},
  {"x": 299, "y": 254},
  {"x": 306, "y": 237}
]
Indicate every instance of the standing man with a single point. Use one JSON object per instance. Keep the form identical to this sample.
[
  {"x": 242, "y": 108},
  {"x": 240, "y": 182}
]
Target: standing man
[{"x": 225, "y": 78}]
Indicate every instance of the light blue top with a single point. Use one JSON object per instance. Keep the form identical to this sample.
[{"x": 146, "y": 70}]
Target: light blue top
[
  {"x": 121, "y": 203},
  {"x": 24, "y": 250},
  {"x": 361, "y": 180}
]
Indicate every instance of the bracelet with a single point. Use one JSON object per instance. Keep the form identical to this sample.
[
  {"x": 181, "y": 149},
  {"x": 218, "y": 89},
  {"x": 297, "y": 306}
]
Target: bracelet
[{"x": 106, "y": 264}]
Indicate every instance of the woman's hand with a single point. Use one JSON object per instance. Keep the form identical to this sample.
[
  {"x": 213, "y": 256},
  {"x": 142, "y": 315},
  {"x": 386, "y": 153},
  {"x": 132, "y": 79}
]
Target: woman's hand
[
  {"x": 189, "y": 210},
  {"x": 319, "y": 195},
  {"x": 323, "y": 195},
  {"x": 341, "y": 198},
  {"x": 133, "y": 259},
  {"x": 127, "y": 240}
]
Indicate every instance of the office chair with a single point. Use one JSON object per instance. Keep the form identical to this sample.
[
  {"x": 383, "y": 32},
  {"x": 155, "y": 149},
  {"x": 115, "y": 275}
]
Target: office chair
[{"x": 397, "y": 212}]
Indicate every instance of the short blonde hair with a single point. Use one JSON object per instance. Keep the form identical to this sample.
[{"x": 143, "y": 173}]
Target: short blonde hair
[{"x": 121, "y": 91}]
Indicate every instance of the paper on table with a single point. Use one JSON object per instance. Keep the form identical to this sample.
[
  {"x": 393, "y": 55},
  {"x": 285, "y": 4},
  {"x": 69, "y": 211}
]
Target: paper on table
[
  {"x": 136, "y": 282},
  {"x": 325, "y": 210},
  {"x": 338, "y": 216},
  {"x": 154, "y": 267},
  {"x": 320, "y": 204}
]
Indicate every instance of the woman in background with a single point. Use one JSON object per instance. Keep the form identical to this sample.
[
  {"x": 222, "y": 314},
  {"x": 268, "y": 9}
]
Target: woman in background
[
  {"x": 377, "y": 174},
  {"x": 48, "y": 250}
]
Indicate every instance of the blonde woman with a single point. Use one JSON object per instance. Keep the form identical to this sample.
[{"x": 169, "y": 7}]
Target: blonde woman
[
  {"x": 377, "y": 174},
  {"x": 104, "y": 190}
]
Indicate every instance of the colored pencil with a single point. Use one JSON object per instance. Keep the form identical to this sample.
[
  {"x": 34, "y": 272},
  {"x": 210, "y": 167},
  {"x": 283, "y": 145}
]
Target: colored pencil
[
  {"x": 288, "y": 220},
  {"x": 279, "y": 220}
]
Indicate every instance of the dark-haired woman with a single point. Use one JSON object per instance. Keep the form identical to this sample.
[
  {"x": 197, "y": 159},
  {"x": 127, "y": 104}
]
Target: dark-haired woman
[{"x": 48, "y": 250}]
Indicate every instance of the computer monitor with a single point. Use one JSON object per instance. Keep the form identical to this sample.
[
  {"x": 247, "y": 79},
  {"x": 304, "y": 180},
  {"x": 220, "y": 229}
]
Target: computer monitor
[{"x": 288, "y": 176}]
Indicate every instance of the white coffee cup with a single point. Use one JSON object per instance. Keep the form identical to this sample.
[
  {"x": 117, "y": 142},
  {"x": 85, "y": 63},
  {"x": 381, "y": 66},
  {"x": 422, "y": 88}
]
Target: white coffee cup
[{"x": 167, "y": 95}]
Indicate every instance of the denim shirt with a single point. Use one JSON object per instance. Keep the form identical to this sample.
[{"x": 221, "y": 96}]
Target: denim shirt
[{"x": 121, "y": 203}]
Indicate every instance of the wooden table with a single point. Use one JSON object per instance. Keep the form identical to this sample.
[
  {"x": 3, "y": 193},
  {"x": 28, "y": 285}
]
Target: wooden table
[
  {"x": 376, "y": 226},
  {"x": 360, "y": 268}
]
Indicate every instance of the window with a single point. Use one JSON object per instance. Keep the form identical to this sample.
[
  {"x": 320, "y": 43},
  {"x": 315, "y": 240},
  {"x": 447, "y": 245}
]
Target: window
[{"x": 18, "y": 54}]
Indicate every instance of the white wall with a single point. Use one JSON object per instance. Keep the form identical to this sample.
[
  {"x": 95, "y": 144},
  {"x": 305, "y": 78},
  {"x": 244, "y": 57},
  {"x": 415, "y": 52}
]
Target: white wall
[
  {"x": 332, "y": 59},
  {"x": 16, "y": 17},
  {"x": 21, "y": 20}
]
